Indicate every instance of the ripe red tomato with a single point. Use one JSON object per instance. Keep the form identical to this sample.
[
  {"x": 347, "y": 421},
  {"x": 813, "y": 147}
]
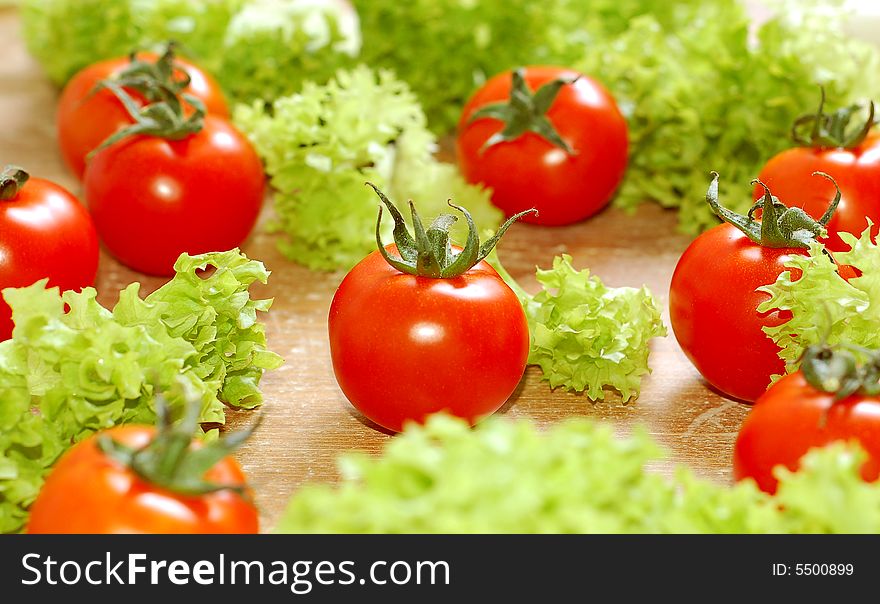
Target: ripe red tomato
[
  {"x": 793, "y": 417},
  {"x": 857, "y": 172},
  {"x": 44, "y": 233},
  {"x": 86, "y": 118},
  {"x": 712, "y": 307},
  {"x": 712, "y": 298},
  {"x": 153, "y": 198},
  {"x": 405, "y": 346},
  {"x": 528, "y": 170},
  {"x": 88, "y": 492}
]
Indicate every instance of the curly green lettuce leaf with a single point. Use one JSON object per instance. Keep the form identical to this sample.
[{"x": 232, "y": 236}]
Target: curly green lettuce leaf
[
  {"x": 68, "y": 35},
  {"x": 700, "y": 87},
  {"x": 68, "y": 372},
  {"x": 321, "y": 145},
  {"x": 445, "y": 49},
  {"x": 271, "y": 47},
  {"x": 824, "y": 306},
  {"x": 256, "y": 48},
  {"x": 576, "y": 477},
  {"x": 701, "y": 94},
  {"x": 585, "y": 336}
]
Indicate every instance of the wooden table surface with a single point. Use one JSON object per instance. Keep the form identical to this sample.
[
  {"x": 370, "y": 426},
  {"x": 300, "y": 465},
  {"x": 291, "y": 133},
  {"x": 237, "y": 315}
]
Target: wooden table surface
[{"x": 308, "y": 421}]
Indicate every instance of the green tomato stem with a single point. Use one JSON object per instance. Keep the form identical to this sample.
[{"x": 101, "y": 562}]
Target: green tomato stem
[
  {"x": 12, "y": 179},
  {"x": 780, "y": 226}
]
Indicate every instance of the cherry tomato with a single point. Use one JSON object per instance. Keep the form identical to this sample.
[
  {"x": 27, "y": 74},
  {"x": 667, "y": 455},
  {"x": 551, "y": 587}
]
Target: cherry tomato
[
  {"x": 793, "y": 417},
  {"x": 88, "y": 492},
  {"x": 153, "y": 198},
  {"x": 713, "y": 299},
  {"x": 530, "y": 171},
  {"x": 406, "y": 346},
  {"x": 86, "y": 118},
  {"x": 857, "y": 172},
  {"x": 44, "y": 233},
  {"x": 712, "y": 307}
]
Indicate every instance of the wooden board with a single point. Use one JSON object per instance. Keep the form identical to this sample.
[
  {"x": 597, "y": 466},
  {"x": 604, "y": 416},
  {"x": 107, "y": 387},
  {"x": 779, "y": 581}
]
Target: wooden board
[{"x": 308, "y": 421}]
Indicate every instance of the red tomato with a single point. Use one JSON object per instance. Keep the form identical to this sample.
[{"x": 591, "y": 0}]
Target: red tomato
[
  {"x": 405, "y": 346},
  {"x": 793, "y": 417},
  {"x": 857, "y": 172},
  {"x": 153, "y": 199},
  {"x": 88, "y": 492},
  {"x": 530, "y": 171},
  {"x": 85, "y": 119},
  {"x": 44, "y": 232},
  {"x": 712, "y": 307}
]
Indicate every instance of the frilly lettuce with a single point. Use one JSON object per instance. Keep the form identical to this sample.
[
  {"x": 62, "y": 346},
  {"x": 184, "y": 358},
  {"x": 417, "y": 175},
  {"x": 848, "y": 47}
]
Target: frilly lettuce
[
  {"x": 271, "y": 47},
  {"x": 446, "y": 48},
  {"x": 256, "y": 48},
  {"x": 509, "y": 477},
  {"x": 699, "y": 91},
  {"x": 823, "y": 305},
  {"x": 586, "y": 336},
  {"x": 65, "y": 374},
  {"x": 320, "y": 146}
]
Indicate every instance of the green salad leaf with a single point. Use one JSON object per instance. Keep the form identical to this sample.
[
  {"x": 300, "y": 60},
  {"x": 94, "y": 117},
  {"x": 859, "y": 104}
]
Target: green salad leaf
[
  {"x": 824, "y": 306},
  {"x": 256, "y": 48},
  {"x": 701, "y": 88},
  {"x": 270, "y": 48},
  {"x": 68, "y": 373},
  {"x": 585, "y": 336},
  {"x": 702, "y": 93},
  {"x": 509, "y": 477},
  {"x": 320, "y": 147}
]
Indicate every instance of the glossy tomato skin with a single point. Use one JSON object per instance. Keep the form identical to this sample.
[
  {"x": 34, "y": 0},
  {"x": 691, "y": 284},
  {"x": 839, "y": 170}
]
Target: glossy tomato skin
[
  {"x": 712, "y": 307},
  {"x": 44, "y": 233},
  {"x": 87, "y": 492},
  {"x": 86, "y": 119},
  {"x": 793, "y": 417},
  {"x": 857, "y": 172},
  {"x": 153, "y": 198},
  {"x": 404, "y": 347},
  {"x": 530, "y": 172}
]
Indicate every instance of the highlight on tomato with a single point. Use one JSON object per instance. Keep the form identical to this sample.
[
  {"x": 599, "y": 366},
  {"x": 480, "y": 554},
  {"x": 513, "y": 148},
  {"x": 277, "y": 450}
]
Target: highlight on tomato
[
  {"x": 175, "y": 180},
  {"x": 835, "y": 395},
  {"x": 713, "y": 296},
  {"x": 421, "y": 326},
  {"x": 544, "y": 137},
  {"x": 45, "y": 232},
  {"x": 827, "y": 143},
  {"x": 148, "y": 479},
  {"x": 88, "y": 112}
]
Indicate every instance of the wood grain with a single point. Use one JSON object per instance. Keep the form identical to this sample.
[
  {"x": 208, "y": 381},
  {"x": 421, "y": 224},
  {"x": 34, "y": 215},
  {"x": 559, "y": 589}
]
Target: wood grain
[{"x": 308, "y": 421}]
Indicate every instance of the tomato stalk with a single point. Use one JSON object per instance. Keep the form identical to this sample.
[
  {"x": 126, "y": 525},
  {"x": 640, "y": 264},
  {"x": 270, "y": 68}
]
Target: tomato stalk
[
  {"x": 164, "y": 115},
  {"x": 429, "y": 253},
  {"x": 170, "y": 461},
  {"x": 829, "y": 131},
  {"x": 525, "y": 112},
  {"x": 843, "y": 370},
  {"x": 780, "y": 226},
  {"x": 157, "y": 80},
  {"x": 12, "y": 179}
]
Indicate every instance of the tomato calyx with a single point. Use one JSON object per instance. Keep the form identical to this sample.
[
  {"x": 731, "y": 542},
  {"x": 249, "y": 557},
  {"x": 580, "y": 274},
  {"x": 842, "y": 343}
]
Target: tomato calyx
[
  {"x": 165, "y": 118},
  {"x": 169, "y": 461},
  {"x": 429, "y": 253},
  {"x": 843, "y": 370},
  {"x": 829, "y": 130},
  {"x": 525, "y": 111},
  {"x": 12, "y": 179},
  {"x": 156, "y": 80},
  {"x": 780, "y": 226}
]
